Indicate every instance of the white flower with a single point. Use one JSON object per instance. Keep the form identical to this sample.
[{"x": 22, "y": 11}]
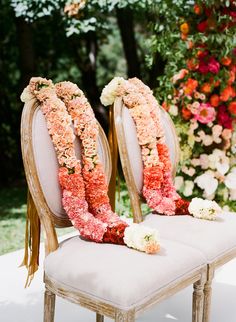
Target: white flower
[
  {"x": 142, "y": 238},
  {"x": 179, "y": 182},
  {"x": 173, "y": 110},
  {"x": 26, "y": 95},
  {"x": 188, "y": 188},
  {"x": 232, "y": 194},
  {"x": 207, "y": 182},
  {"x": 204, "y": 209},
  {"x": 109, "y": 91},
  {"x": 230, "y": 179}
]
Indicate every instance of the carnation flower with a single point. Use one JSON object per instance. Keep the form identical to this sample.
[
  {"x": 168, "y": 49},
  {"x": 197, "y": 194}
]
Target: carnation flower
[
  {"x": 204, "y": 209},
  {"x": 26, "y": 95},
  {"x": 109, "y": 92},
  {"x": 142, "y": 238}
]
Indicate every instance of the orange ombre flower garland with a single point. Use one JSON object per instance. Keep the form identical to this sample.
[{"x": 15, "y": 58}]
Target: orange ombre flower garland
[{"x": 95, "y": 219}]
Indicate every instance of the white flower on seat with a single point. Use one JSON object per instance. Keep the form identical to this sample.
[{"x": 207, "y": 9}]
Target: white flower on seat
[
  {"x": 142, "y": 238},
  {"x": 204, "y": 209}
]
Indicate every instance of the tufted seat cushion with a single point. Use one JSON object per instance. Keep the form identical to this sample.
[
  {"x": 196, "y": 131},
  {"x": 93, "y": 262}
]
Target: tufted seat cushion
[
  {"x": 116, "y": 274},
  {"x": 212, "y": 238}
]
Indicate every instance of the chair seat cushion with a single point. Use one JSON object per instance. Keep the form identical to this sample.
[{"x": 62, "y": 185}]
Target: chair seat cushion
[
  {"x": 118, "y": 275},
  {"x": 212, "y": 238}
]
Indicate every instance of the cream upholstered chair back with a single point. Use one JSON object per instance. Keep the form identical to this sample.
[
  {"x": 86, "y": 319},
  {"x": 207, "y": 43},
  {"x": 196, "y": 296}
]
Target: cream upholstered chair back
[
  {"x": 130, "y": 151},
  {"x": 41, "y": 166}
]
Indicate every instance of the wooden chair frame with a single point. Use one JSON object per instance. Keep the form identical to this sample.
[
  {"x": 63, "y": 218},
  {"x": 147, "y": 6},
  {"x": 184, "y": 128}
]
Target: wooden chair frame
[
  {"x": 135, "y": 200},
  {"x": 49, "y": 221}
]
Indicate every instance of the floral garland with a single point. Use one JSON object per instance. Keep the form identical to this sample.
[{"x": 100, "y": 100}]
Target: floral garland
[
  {"x": 94, "y": 219},
  {"x": 158, "y": 188}
]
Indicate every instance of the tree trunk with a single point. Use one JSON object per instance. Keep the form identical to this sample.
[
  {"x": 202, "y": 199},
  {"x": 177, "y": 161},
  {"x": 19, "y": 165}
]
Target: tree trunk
[
  {"x": 157, "y": 69},
  {"x": 26, "y": 52},
  {"x": 87, "y": 65},
  {"x": 126, "y": 26}
]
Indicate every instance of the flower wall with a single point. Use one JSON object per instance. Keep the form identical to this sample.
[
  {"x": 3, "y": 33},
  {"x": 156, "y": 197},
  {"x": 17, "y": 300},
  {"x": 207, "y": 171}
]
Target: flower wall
[{"x": 201, "y": 98}]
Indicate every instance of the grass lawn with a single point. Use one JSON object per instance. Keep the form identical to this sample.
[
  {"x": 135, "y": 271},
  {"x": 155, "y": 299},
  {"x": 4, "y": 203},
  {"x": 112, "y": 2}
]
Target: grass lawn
[{"x": 12, "y": 219}]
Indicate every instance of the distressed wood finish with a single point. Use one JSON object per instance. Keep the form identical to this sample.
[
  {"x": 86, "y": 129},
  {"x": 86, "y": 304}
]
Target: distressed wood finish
[
  {"x": 49, "y": 306},
  {"x": 122, "y": 316},
  {"x": 136, "y": 210},
  {"x": 99, "y": 317},
  {"x": 198, "y": 299}
]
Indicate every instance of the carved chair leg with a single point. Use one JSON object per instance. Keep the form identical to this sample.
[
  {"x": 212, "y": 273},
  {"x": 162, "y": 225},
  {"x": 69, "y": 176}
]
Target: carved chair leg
[
  {"x": 122, "y": 316},
  {"x": 99, "y": 317},
  {"x": 207, "y": 297},
  {"x": 198, "y": 300},
  {"x": 49, "y": 306}
]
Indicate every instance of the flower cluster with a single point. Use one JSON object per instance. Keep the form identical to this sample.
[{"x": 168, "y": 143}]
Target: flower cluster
[
  {"x": 204, "y": 209},
  {"x": 142, "y": 238},
  {"x": 203, "y": 106},
  {"x": 84, "y": 189}
]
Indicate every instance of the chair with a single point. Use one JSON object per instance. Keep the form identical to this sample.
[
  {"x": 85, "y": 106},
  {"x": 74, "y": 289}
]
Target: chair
[
  {"x": 111, "y": 280},
  {"x": 199, "y": 234}
]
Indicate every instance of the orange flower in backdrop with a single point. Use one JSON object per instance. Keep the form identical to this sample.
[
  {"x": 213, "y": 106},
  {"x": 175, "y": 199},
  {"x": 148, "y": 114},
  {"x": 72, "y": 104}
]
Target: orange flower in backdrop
[
  {"x": 232, "y": 107},
  {"x": 217, "y": 83},
  {"x": 190, "y": 86},
  {"x": 231, "y": 77},
  {"x": 184, "y": 28},
  {"x": 226, "y": 94},
  {"x": 226, "y": 61},
  {"x": 215, "y": 100},
  {"x": 206, "y": 88},
  {"x": 197, "y": 9},
  {"x": 186, "y": 114},
  {"x": 192, "y": 64}
]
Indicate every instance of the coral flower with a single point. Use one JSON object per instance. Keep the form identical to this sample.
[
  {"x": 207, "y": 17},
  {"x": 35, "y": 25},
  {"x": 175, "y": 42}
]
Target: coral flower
[
  {"x": 215, "y": 100},
  {"x": 181, "y": 74},
  {"x": 232, "y": 107},
  {"x": 226, "y": 94},
  {"x": 226, "y": 61},
  {"x": 197, "y": 9},
  {"x": 186, "y": 114},
  {"x": 205, "y": 113},
  {"x": 206, "y": 88},
  {"x": 190, "y": 86},
  {"x": 192, "y": 64},
  {"x": 184, "y": 28}
]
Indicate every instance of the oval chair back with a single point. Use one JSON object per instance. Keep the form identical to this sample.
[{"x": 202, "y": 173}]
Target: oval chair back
[
  {"x": 41, "y": 169},
  {"x": 130, "y": 151}
]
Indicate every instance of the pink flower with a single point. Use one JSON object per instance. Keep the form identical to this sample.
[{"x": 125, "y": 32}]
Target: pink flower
[
  {"x": 213, "y": 65},
  {"x": 205, "y": 113}
]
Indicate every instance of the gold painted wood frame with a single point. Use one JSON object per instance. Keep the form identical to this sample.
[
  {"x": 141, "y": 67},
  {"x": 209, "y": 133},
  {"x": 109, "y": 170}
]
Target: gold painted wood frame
[{"x": 136, "y": 199}]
